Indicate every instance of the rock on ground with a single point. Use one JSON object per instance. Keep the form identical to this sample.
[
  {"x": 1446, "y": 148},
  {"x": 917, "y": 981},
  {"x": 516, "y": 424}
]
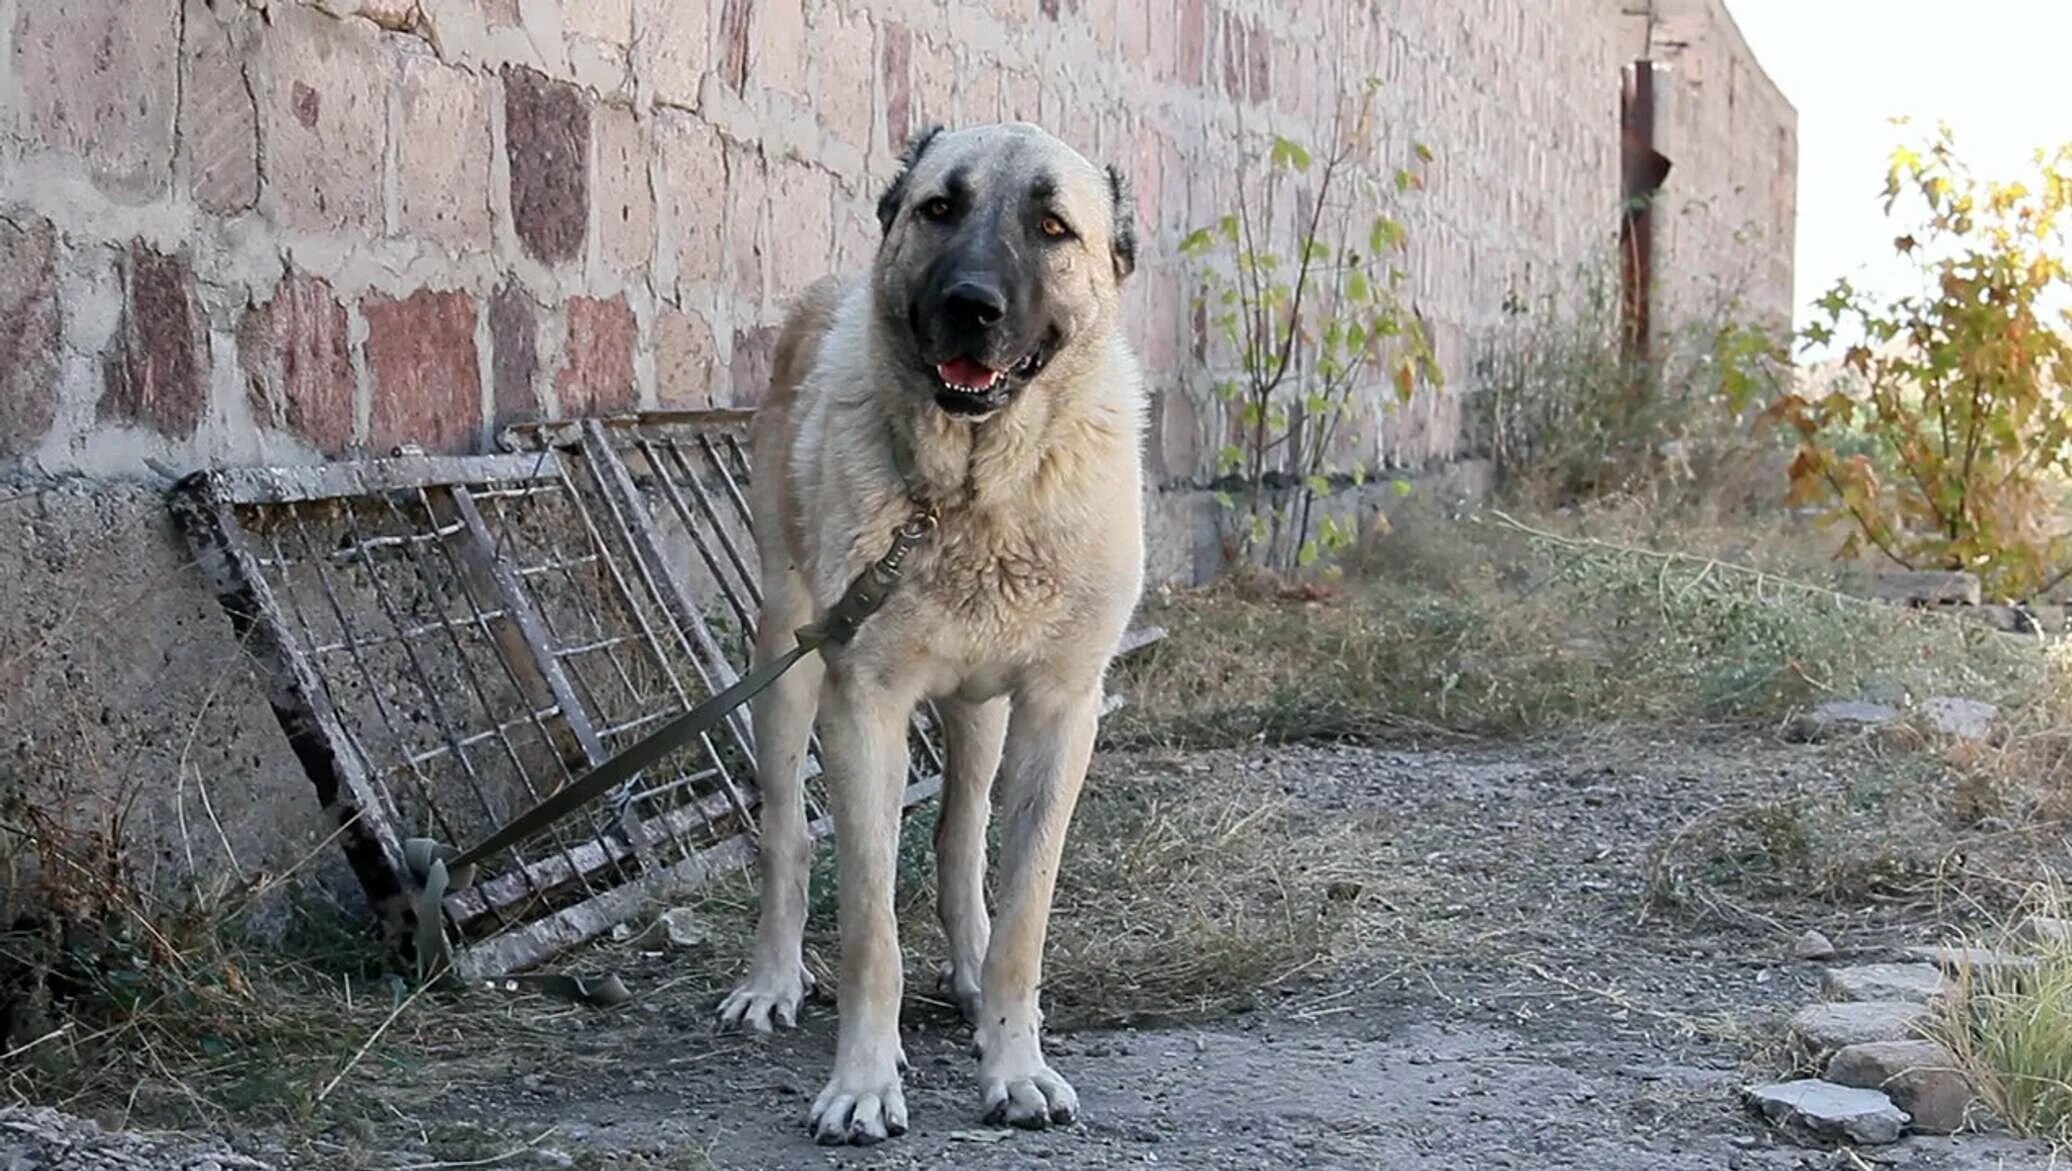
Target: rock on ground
[
  {"x": 1812, "y": 946},
  {"x": 38, "y": 1137},
  {"x": 1831, "y": 1111},
  {"x": 684, "y": 928},
  {"x": 1917, "y": 983},
  {"x": 1824, "y": 1028},
  {"x": 1975, "y": 960},
  {"x": 1966, "y": 719},
  {"x": 1921, "y": 1078},
  {"x": 1841, "y": 716},
  {"x": 2049, "y": 929}
]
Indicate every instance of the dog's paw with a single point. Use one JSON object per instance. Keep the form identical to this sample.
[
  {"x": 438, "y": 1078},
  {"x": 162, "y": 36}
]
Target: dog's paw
[
  {"x": 961, "y": 987},
  {"x": 765, "y": 1000},
  {"x": 860, "y": 1110},
  {"x": 1029, "y": 1094}
]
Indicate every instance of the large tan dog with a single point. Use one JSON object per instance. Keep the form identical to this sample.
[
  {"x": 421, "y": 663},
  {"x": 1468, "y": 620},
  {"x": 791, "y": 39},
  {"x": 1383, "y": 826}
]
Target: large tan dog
[{"x": 980, "y": 370}]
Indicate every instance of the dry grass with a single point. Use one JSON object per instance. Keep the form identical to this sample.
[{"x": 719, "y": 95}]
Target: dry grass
[
  {"x": 1180, "y": 898},
  {"x": 1567, "y": 416},
  {"x": 2010, "y": 1026},
  {"x": 137, "y": 1005},
  {"x": 1487, "y": 626}
]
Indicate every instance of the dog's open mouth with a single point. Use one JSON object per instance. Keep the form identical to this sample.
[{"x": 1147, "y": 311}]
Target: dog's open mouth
[{"x": 970, "y": 387}]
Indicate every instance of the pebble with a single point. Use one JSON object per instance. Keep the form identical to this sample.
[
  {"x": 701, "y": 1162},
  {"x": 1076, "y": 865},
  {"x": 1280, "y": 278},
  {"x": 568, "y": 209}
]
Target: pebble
[
  {"x": 1831, "y": 1111},
  {"x": 1921, "y": 1077},
  {"x": 1837, "y": 717},
  {"x": 1916, "y": 983},
  {"x": 1965, "y": 719},
  {"x": 683, "y": 928},
  {"x": 1812, "y": 946},
  {"x": 1957, "y": 961},
  {"x": 2048, "y": 929},
  {"x": 1824, "y": 1028}
]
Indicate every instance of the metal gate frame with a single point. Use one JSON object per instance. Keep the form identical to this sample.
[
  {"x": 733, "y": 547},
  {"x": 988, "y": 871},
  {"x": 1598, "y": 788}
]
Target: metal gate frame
[{"x": 483, "y": 666}]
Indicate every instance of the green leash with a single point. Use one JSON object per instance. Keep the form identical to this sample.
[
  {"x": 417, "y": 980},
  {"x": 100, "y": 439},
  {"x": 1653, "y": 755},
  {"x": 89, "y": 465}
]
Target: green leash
[{"x": 441, "y": 870}]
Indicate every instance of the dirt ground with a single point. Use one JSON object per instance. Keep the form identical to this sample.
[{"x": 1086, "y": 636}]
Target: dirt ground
[
  {"x": 1521, "y": 1003},
  {"x": 1510, "y": 991}
]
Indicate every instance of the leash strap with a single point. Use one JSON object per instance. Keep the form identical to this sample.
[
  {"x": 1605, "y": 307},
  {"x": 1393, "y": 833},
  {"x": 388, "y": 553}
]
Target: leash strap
[{"x": 440, "y": 869}]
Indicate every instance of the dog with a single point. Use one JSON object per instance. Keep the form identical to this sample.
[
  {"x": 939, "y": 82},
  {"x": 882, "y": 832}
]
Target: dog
[{"x": 980, "y": 371}]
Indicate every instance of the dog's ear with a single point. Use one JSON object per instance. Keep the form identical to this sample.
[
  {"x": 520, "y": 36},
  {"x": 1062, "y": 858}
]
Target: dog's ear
[
  {"x": 1124, "y": 217},
  {"x": 895, "y": 193}
]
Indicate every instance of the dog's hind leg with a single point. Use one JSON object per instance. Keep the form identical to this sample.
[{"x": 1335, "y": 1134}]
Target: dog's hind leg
[
  {"x": 1050, "y": 738},
  {"x": 783, "y": 713},
  {"x": 973, "y": 734}
]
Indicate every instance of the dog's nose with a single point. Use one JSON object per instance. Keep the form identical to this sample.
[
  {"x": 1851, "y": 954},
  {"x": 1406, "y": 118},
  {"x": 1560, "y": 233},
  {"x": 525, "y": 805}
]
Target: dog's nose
[{"x": 974, "y": 303}]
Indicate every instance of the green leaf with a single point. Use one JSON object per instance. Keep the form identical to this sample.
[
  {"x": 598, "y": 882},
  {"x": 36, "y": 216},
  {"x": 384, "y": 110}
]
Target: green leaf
[
  {"x": 1424, "y": 153},
  {"x": 1230, "y": 458},
  {"x": 1307, "y": 555},
  {"x": 1318, "y": 486},
  {"x": 1289, "y": 153},
  {"x": 1356, "y": 287},
  {"x": 1197, "y": 241},
  {"x": 1400, "y": 487}
]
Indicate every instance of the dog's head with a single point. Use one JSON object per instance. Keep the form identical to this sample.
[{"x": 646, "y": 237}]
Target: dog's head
[{"x": 1003, "y": 257}]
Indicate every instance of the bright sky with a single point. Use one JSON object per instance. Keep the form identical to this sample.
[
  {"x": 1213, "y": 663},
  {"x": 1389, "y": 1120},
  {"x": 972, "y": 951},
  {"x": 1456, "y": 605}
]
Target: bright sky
[{"x": 1995, "y": 70}]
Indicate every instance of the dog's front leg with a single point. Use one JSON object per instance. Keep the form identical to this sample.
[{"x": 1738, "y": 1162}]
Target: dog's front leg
[
  {"x": 863, "y": 730},
  {"x": 1050, "y": 737},
  {"x": 973, "y": 734},
  {"x": 777, "y": 978}
]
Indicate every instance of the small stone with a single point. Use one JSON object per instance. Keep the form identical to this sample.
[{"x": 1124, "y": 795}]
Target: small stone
[
  {"x": 1812, "y": 946},
  {"x": 1921, "y": 1077},
  {"x": 2048, "y": 929},
  {"x": 1918, "y": 983},
  {"x": 1957, "y": 961},
  {"x": 683, "y": 928},
  {"x": 1966, "y": 719},
  {"x": 1831, "y": 1111},
  {"x": 1824, "y": 1028},
  {"x": 1855, "y": 711},
  {"x": 1841, "y": 716}
]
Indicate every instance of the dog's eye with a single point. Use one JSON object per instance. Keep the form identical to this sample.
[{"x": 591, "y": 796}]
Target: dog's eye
[
  {"x": 1055, "y": 228},
  {"x": 936, "y": 209}
]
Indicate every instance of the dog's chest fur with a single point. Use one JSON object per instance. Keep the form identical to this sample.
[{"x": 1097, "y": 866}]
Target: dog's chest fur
[{"x": 994, "y": 574}]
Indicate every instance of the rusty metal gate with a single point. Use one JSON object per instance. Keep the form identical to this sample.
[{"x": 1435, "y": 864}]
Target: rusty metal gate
[{"x": 445, "y": 640}]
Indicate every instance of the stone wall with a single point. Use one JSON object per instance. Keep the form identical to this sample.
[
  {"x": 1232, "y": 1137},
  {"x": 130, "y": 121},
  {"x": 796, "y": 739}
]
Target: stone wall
[
  {"x": 240, "y": 231},
  {"x": 279, "y": 230}
]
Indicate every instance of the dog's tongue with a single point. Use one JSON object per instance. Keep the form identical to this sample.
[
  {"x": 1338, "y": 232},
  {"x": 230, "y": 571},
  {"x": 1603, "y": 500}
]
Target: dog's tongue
[{"x": 967, "y": 373}]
